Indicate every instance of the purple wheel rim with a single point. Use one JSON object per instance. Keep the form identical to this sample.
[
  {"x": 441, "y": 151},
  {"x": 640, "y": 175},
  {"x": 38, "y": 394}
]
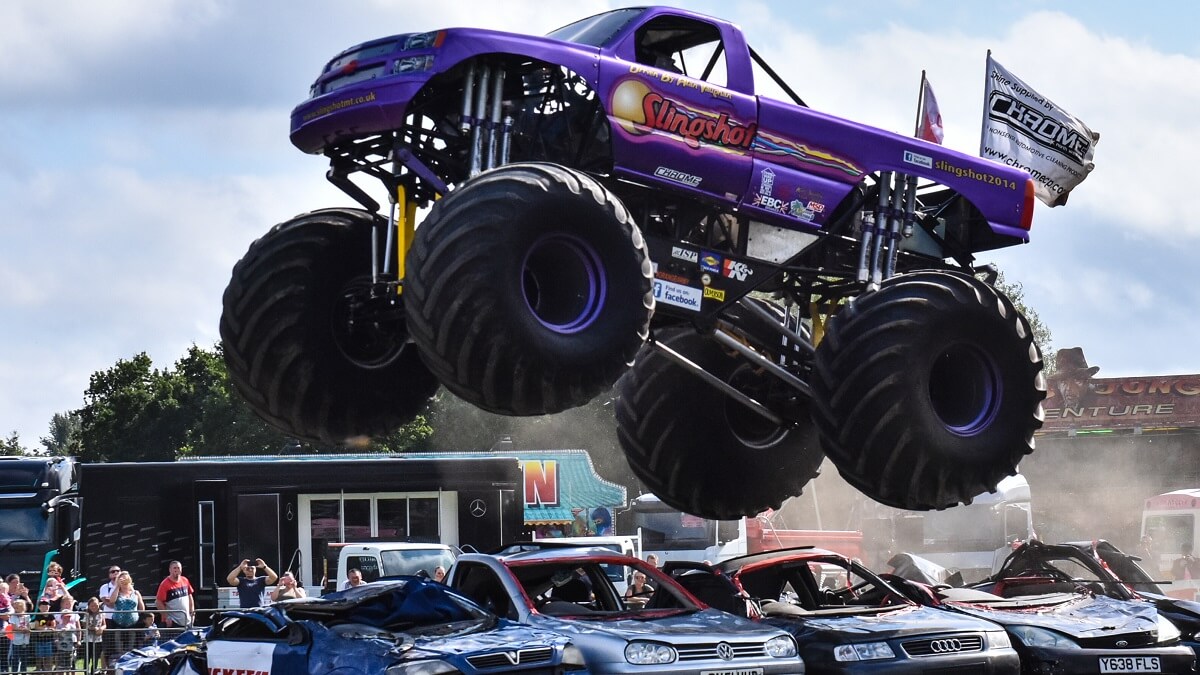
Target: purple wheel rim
[
  {"x": 965, "y": 390},
  {"x": 563, "y": 283}
]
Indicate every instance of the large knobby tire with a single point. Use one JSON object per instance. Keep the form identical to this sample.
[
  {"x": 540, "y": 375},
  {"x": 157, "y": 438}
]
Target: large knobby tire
[
  {"x": 529, "y": 289},
  {"x": 291, "y": 349},
  {"x": 928, "y": 390},
  {"x": 702, "y": 452}
]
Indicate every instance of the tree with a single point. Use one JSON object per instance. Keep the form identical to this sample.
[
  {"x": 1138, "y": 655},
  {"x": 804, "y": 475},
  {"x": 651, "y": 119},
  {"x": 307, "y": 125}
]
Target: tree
[
  {"x": 64, "y": 435},
  {"x": 1041, "y": 332},
  {"x": 11, "y": 446}
]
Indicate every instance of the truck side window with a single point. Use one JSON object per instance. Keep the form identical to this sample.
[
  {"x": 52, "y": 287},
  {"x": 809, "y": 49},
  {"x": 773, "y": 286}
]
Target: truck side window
[{"x": 684, "y": 46}]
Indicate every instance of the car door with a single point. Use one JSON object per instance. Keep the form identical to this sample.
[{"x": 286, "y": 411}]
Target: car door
[
  {"x": 480, "y": 583},
  {"x": 681, "y": 110}
]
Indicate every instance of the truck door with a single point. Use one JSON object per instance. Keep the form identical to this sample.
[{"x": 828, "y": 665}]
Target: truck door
[{"x": 679, "y": 95}]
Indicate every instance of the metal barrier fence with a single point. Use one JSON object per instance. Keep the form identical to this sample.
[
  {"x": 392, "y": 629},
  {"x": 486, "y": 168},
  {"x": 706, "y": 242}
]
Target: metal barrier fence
[{"x": 49, "y": 644}]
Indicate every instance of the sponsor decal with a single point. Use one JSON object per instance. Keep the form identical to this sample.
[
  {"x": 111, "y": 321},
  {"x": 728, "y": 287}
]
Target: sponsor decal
[
  {"x": 684, "y": 254},
  {"x": 911, "y": 157},
  {"x": 240, "y": 658},
  {"x": 710, "y": 262},
  {"x": 766, "y": 182},
  {"x": 675, "y": 278},
  {"x": 736, "y": 270},
  {"x": 705, "y": 279},
  {"x": 816, "y": 207},
  {"x": 680, "y": 296},
  {"x": 1042, "y": 129},
  {"x": 714, "y": 294},
  {"x": 798, "y": 209},
  {"x": 678, "y": 176}
]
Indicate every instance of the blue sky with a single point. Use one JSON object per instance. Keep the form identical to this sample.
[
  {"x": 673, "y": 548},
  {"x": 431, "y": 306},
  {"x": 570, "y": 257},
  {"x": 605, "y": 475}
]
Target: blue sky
[{"x": 145, "y": 146}]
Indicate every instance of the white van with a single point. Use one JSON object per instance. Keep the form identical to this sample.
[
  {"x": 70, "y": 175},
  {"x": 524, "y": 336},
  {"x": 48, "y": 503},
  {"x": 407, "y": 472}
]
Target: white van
[
  {"x": 384, "y": 559},
  {"x": 631, "y": 546}
]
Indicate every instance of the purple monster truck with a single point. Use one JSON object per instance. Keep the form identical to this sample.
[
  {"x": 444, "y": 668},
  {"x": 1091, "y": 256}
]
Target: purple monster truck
[{"x": 613, "y": 203}]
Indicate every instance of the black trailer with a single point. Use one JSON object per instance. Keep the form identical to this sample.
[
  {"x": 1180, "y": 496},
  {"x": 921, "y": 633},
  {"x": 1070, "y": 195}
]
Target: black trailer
[{"x": 209, "y": 514}]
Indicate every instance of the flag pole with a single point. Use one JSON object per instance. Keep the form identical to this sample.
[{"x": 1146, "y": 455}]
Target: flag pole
[
  {"x": 920, "y": 102},
  {"x": 987, "y": 73}
]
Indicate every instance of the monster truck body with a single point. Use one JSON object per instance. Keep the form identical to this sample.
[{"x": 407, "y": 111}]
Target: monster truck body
[{"x": 590, "y": 188}]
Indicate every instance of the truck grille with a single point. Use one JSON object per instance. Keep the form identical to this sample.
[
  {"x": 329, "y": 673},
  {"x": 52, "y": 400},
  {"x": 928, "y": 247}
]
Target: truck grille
[
  {"x": 944, "y": 645},
  {"x": 713, "y": 650},
  {"x": 516, "y": 657}
]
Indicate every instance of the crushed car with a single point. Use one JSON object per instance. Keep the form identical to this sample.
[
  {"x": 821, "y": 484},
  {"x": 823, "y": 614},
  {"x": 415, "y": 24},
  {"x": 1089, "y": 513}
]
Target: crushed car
[
  {"x": 405, "y": 626},
  {"x": 570, "y": 589},
  {"x": 1057, "y": 625},
  {"x": 1101, "y": 568},
  {"x": 846, "y": 619}
]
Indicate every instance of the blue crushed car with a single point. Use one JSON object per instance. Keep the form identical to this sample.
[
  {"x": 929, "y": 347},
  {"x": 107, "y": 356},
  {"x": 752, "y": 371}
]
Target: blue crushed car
[{"x": 408, "y": 626}]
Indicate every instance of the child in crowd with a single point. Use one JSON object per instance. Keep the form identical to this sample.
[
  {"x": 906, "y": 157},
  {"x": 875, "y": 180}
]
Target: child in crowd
[
  {"x": 66, "y": 637},
  {"x": 41, "y": 627},
  {"x": 19, "y": 652},
  {"x": 149, "y": 630},
  {"x": 93, "y": 637}
]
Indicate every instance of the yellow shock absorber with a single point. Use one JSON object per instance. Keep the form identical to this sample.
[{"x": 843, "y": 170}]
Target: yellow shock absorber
[
  {"x": 818, "y": 323},
  {"x": 406, "y": 213}
]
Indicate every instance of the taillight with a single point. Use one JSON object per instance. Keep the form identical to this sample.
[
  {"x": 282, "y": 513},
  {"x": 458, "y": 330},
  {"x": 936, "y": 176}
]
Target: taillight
[{"x": 1027, "y": 206}]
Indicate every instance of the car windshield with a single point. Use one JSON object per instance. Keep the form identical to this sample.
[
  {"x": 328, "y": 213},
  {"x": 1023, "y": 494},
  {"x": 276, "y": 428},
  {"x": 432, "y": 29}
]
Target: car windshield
[
  {"x": 818, "y": 585},
  {"x": 596, "y": 30},
  {"x": 574, "y": 588}
]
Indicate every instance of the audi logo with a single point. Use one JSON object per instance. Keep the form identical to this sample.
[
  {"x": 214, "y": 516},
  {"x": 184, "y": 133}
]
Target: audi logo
[
  {"x": 725, "y": 651},
  {"x": 947, "y": 646}
]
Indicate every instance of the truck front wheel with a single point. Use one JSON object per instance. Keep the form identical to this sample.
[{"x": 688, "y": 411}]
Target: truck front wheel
[
  {"x": 700, "y": 451},
  {"x": 309, "y": 344},
  {"x": 528, "y": 289},
  {"x": 928, "y": 390}
]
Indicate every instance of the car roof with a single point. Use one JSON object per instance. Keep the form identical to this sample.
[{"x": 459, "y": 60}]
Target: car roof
[{"x": 784, "y": 554}]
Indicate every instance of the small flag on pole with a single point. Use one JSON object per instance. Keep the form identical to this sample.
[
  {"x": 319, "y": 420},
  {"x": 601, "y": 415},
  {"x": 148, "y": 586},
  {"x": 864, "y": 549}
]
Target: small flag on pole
[{"x": 929, "y": 118}]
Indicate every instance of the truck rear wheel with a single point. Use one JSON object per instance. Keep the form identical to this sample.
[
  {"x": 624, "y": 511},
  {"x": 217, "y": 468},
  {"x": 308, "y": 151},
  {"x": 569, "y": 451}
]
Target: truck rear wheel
[
  {"x": 928, "y": 391},
  {"x": 308, "y": 344},
  {"x": 700, "y": 451},
  {"x": 528, "y": 289}
]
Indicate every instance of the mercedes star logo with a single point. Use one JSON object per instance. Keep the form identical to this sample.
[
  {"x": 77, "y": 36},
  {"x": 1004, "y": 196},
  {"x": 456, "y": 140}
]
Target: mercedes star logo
[
  {"x": 478, "y": 508},
  {"x": 947, "y": 646},
  {"x": 725, "y": 651}
]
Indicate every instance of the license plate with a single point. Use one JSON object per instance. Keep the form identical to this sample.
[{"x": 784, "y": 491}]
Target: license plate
[
  {"x": 1129, "y": 664},
  {"x": 739, "y": 671}
]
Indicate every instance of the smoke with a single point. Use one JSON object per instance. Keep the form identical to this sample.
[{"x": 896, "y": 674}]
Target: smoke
[{"x": 459, "y": 426}]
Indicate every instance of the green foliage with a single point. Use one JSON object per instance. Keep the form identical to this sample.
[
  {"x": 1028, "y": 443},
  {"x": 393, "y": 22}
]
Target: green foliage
[
  {"x": 11, "y": 446},
  {"x": 1041, "y": 332},
  {"x": 134, "y": 413}
]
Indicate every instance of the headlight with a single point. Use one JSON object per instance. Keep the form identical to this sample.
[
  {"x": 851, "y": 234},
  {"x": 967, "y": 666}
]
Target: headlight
[
  {"x": 866, "y": 651},
  {"x": 649, "y": 653},
  {"x": 781, "y": 647},
  {"x": 1040, "y": 637},
  {"x": 424, "y": 40},
  {"x": 998, "y": 639},
  {"x": 573, "y": 657},
  {"x": 1167, "y": 632},
  {"x": 412, "y": 64},
  {"x": 429, "y": 667}
]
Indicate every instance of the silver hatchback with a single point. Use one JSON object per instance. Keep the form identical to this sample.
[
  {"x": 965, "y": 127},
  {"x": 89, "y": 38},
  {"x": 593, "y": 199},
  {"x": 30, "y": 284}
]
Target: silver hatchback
[{"x": 655, "y": 628}]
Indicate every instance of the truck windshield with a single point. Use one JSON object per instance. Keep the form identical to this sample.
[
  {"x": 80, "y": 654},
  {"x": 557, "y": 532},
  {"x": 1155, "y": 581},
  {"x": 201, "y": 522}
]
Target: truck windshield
[
  {"x": 413, "y": 561},
  {"x": 23, "y": 523},
  {"x": 666, "y": 530},
  {"x": 596, "y": 30}
]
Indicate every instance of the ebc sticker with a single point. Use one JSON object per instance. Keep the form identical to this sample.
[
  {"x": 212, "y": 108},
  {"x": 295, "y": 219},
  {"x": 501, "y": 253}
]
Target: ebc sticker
[
  {"x": 239, "y": 658},
  {"x": 685, "y": 297}
]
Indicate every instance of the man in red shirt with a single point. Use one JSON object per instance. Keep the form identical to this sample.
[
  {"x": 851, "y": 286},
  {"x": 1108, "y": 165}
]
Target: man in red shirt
[{"x": 175, "y": 598}]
